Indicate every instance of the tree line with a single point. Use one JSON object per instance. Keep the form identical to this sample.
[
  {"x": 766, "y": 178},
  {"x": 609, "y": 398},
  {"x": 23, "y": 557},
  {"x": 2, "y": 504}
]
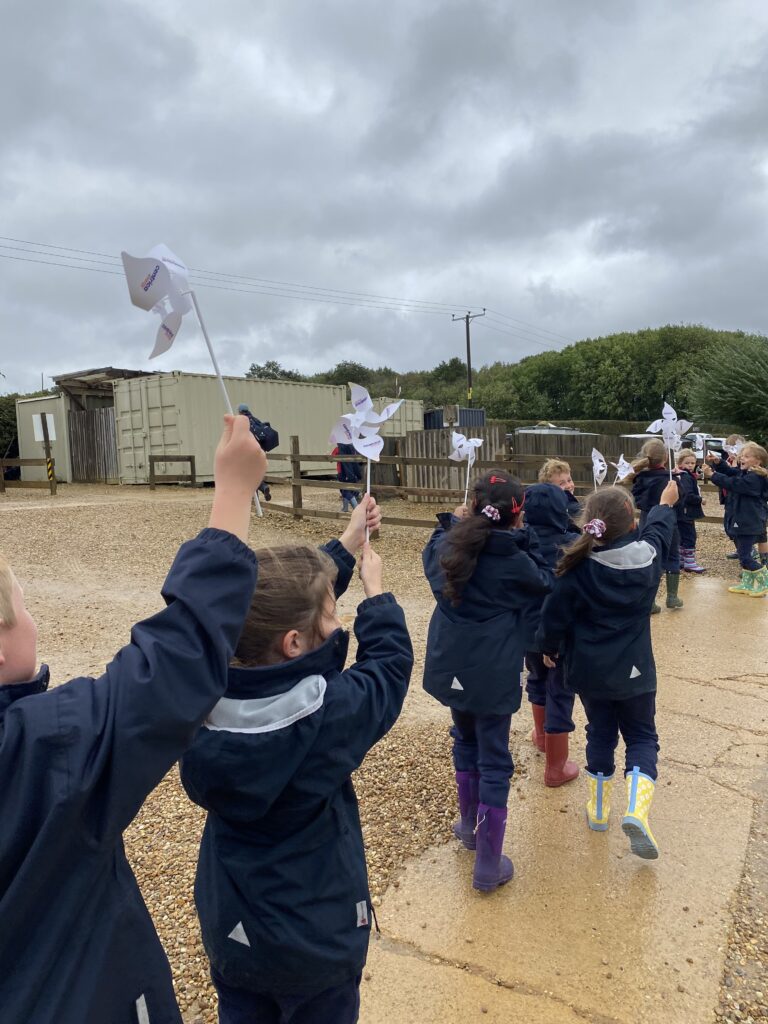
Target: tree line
[{"x": 707, "y": 375}]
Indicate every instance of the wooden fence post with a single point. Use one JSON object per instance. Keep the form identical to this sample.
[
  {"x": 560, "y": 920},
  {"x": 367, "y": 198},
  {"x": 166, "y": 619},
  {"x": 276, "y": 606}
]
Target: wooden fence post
[{"x": 296, "y": 500}]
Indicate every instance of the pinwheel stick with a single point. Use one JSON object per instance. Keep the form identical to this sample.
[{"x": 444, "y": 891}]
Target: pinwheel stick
[
  {"x": 466, "y": 489},
  {"x": 368, "y": 491},
  {"x": 227, "y": 403}
]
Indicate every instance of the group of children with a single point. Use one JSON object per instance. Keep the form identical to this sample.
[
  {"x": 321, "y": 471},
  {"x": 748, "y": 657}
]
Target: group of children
[{"x": 242, "y": 677}]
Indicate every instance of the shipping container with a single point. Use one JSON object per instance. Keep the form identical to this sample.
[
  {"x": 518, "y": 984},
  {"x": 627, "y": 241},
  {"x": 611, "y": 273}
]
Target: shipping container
[
  {"x": 454, "y": 415},
  {"x": 180, "y": 414},
  {"x": 410, "y": 416},
  {"x": 58, "y": 407}
]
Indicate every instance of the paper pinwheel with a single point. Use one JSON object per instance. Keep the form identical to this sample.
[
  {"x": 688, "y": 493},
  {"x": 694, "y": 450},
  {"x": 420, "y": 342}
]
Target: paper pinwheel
[
  {"x": 733, "y": 449},
  {"x": 159, "y": 282},
  {"x": 599, "y": 467},
  {"x": 622, "y": 467},
  {"x": 361, "y": 427},
  {"x": 465, "y": 448},
  {"x": 671, "y": 429}
]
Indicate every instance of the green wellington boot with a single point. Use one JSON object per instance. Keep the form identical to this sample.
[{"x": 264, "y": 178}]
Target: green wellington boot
[{"x": 673, "y": 582}]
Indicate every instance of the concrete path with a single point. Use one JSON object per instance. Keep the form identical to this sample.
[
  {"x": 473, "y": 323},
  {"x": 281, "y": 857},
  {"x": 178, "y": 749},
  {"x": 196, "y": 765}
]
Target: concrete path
[{"x": 586, "y": 931}]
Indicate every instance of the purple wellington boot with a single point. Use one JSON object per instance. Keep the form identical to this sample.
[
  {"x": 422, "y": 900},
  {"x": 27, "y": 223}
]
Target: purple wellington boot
[
  {"x": 492, "y": 868},
  {"x": 467, "y": 785}
]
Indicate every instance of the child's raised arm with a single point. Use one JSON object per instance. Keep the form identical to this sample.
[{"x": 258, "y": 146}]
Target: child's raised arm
[{"x": 124, "y": 731}]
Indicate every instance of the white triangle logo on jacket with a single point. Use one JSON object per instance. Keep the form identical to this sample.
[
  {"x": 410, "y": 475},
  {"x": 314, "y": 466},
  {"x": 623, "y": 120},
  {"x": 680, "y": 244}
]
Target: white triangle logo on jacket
[
  {"x": 238, "y": 934},
  {"x": 635, "y": 672},
  {"x": 456, "y": 685}
]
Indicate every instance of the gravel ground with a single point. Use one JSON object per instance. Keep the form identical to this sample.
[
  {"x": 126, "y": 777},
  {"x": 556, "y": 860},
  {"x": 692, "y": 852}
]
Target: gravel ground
[{"x": 405, "y": 786}]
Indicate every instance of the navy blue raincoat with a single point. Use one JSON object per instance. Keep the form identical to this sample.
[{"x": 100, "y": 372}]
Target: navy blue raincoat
[
  {"x": 647, "y": 488},
  {"x": 281, "y": 887},
  {"x": 475, "y": 650},
  {"x": 77, "y": 944},
  {"x": 747, "y": 496},
  {"x": 689, "y": 507},
  {"x": 599, "y": 613}
]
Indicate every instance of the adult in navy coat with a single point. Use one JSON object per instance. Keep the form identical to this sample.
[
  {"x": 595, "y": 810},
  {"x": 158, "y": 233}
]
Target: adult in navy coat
[{"x": 77, "y": 944}]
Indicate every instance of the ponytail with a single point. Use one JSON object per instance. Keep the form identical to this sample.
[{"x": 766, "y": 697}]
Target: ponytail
[
  {"x": 652, "y": 455},
  {"x": 612, "y": 511},
  {"x": 496, "y": 505}
]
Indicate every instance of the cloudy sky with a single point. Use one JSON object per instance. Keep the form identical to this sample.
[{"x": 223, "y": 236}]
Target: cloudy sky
[{"x": 348, "y": 174}]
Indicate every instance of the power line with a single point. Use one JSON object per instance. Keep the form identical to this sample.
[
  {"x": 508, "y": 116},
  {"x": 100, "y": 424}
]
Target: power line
[{"x": 243, "y": 284}]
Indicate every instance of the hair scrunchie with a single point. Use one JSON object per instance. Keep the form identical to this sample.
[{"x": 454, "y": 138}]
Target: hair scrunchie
[
  {"x": 492, "y": 513},
  {"x": 595, "y": 527}
]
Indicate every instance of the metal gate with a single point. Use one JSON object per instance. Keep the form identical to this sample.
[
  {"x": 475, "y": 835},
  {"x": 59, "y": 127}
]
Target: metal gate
[{"x": 93, "y": 446}]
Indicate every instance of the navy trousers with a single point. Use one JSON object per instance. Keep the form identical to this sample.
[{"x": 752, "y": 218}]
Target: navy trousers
[
  {"x": 635, "y": 719},
  {"x": 744, "y": 546},
  {"x": 481, "y": 744},
  {"x": 672, "y": 563},
  {"x": 339, "y": 1005},
  {"x": 687, "y": 534},
  {"x": 546, "y": 688}
]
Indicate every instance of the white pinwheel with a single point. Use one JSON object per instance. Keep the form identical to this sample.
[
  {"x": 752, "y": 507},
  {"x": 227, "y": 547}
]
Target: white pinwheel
[
  {"x": 361, "y": 428},
  {"x": 599, "y": 467},
  {"x": 465, "y": 449},
  {"x": 159, "y": 282},
  {"x": 671, "y": 429},
  {"x": 623, "y": 468}
]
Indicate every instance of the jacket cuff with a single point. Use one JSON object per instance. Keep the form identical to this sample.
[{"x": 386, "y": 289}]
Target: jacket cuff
[
  {"x": 377, "y": 599},
  {"x": 214, "y": 536},
  {"x": 337, "y": 551}
]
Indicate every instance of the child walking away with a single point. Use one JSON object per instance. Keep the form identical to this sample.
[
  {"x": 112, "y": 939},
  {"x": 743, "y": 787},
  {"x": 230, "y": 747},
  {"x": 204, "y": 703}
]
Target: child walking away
[
  {"x": 547, "y": 513},
  {"x": 77, "y": 943},
  {"x": 598, "y": 615},
  {"x": 281, "y": 887},
  {"x": 748, "y": 491},
  {"x": 489, "y": 580},
  {"x": 650, "y": 478},
  {"x": 348, "y": 472},
  {"x": 688, "y": 509}
]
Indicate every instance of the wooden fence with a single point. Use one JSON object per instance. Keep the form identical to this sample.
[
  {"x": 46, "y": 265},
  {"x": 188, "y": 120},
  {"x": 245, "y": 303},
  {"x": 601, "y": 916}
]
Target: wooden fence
[
  {"x": 523, "y": 466},
  {"x": 50, "y": 483}
]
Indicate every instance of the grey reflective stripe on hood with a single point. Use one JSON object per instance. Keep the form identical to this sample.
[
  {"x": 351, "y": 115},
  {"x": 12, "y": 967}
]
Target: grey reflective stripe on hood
[
  {"x": 268, "y": 714},
  {"x": 637, "y": 555}
]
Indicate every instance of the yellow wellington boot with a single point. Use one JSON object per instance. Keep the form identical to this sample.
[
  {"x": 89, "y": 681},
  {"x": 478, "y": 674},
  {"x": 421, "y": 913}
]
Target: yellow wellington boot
[
  {"x": 640, "y": 789},
  {"x": 759, "y": 583},
  {"x": 599, "y": 805},
  {"x": 746, "y": 583}
]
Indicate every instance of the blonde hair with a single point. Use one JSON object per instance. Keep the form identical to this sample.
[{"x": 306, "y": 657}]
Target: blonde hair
[
  {"x": 551, "y": 468},
  {"x": 652, "y": 455},
  {"x": 685, "y": 453},
  {"x": 759, "y": 453},
  {"x": 735, "y": 439},
  {"x": 7, "y": 613}
]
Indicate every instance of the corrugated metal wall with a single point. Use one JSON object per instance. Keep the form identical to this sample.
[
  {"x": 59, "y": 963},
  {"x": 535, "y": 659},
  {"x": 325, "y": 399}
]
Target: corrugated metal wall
[
  {"x": 29, "y": 448},
  {"x": 436, "y": 444},
  {"x": 93, "y": 445},
  {"x": 181, "y": 413},
  {"x": 410, "y": 416}
]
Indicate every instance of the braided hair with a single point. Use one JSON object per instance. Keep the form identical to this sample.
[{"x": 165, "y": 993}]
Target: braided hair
[{"x": 497, "y": 505}]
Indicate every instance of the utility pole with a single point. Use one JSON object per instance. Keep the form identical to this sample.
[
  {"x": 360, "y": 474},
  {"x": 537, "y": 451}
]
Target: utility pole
[{"x": 467, "y": 319}]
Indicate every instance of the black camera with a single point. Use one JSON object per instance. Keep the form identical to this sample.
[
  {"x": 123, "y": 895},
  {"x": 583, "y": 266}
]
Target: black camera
[{"x": 265, "y": 434}]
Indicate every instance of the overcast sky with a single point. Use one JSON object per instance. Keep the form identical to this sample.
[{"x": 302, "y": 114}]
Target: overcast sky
[{"x": 583, "y": 168}]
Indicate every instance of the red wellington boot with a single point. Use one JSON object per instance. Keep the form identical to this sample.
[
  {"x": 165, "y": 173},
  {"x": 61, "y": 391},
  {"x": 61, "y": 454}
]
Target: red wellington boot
[
  {"x": 537, "y": 732},
  {"x": 558, "y": 769}
]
